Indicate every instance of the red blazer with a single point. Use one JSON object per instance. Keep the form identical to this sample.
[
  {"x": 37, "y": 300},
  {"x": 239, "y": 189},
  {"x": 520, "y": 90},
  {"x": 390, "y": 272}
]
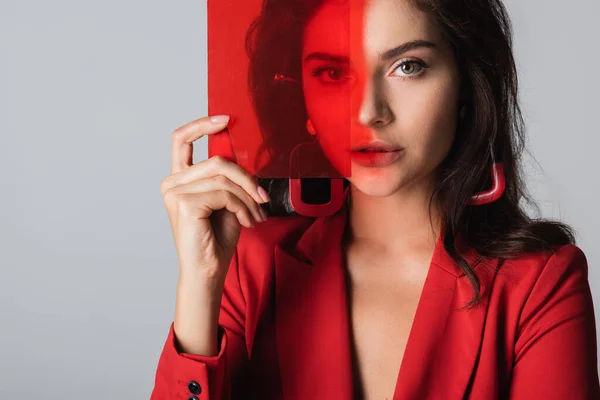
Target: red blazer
[{"x": 284, "y": 326}]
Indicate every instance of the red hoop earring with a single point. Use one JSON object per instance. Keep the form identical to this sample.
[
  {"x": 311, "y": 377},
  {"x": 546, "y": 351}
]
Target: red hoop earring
[
  {"x": 310, "y": 151},
  {"x": 498, "y": 185}
]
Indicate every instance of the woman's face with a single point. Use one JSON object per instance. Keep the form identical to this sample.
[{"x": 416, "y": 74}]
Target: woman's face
[{"x": 360, "y": 87}]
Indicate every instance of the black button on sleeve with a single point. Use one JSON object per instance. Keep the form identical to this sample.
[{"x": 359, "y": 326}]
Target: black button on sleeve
[
  {"x": 194, "y": 387},
  {"x": 193, "y": 398}
]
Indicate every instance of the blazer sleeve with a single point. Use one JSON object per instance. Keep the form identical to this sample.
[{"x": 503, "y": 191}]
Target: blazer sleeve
[
  {"x": 181, "y": 375},
  {"x": 556, "y": 350}
]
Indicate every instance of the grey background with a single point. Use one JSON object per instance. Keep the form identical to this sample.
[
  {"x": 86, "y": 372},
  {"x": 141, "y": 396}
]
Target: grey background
[{"x": 90, "y": 93}]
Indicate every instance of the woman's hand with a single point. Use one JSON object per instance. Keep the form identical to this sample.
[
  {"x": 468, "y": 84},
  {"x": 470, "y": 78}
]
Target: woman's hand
[{"x": 208, "y": 202}]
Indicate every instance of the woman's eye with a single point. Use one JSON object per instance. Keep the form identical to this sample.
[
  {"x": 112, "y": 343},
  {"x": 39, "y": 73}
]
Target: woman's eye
[
  {"x": 332, "y": 75},
  {"x": 409, "y": 68}
]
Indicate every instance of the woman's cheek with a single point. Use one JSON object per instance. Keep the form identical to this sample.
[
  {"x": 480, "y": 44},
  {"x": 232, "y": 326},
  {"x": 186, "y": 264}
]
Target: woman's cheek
[
  {"x": 333, "y": 137},
  {"x": 330, "y": 116},
  {"x": 438, "y": 130},
  {"x": 433, "y": 108}
]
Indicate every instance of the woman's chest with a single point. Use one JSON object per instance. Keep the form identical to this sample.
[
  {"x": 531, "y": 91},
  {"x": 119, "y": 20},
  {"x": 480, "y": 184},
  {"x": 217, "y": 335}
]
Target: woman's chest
[
  {"x": 382, "y": 301},
  {"x": 308, "y": 322}
]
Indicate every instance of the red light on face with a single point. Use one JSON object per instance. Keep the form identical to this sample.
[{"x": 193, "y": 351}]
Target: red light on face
[{"x": 266, "y": 92}]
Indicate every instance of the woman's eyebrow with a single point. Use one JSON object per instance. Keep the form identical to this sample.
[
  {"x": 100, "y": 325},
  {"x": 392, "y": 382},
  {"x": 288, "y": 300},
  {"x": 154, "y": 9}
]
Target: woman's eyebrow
[
  {"x": 326, "y": 57},
  {"x": 404, "y": 47}
]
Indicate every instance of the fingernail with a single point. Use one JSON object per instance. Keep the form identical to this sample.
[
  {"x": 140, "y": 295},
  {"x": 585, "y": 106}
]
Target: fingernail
[
  {"x": 263, "y": 214},
  {"x": 263, "y": 194},
  {"x": 219, "y": 119}
]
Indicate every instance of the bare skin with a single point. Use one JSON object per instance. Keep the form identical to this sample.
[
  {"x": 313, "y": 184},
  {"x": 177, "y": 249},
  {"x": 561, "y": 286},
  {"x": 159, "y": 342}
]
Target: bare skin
[{"x": 384, "y": 291}]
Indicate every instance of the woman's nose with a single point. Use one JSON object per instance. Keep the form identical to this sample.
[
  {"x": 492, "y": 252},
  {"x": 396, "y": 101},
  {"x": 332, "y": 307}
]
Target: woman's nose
[{"x": 370, "y": 107}]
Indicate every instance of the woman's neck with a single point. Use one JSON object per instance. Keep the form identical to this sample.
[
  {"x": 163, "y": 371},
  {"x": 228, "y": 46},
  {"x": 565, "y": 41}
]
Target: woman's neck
[{"x": 396, "y": 223}]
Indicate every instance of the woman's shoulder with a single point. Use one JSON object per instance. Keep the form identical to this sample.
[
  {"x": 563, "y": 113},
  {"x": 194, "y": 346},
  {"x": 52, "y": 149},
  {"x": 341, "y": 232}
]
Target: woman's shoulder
[
  {"x": 274, "y": 230},
  {"x": 537, "y": 280},
  {"x": 530, "y": 267},
  {"x": 544, "y": 300},
  {"x": 252, "y": 267},
  {"x": 256, "y": 245}
]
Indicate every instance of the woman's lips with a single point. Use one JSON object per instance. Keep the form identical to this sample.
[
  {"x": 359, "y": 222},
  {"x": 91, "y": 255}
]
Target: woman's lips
[
  {"x": 374, "y": 158},
  {"x": 375, "y": 145}
]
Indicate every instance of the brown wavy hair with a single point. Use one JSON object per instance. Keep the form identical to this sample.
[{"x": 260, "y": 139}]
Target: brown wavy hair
[{"x": 480, "y": 33}]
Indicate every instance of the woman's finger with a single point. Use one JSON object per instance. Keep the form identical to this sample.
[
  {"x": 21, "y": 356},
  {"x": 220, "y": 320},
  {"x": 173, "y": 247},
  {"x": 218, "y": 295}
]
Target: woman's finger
[
  {"x": 199, "y": 206},
  {"x": 217, "y": 183},
  {"x": 184, "y": 137},
  {"x": 214, "y": 166}
]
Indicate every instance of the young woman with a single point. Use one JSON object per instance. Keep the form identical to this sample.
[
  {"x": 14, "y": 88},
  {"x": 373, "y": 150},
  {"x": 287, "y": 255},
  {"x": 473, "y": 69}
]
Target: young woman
[{"x": 431, "y": 282}]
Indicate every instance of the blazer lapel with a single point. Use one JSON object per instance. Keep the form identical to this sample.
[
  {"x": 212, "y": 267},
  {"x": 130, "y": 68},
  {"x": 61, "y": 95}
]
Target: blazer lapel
[
  {"x": 444, "y": 343},
  {"x": 311, "y": 315}
]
